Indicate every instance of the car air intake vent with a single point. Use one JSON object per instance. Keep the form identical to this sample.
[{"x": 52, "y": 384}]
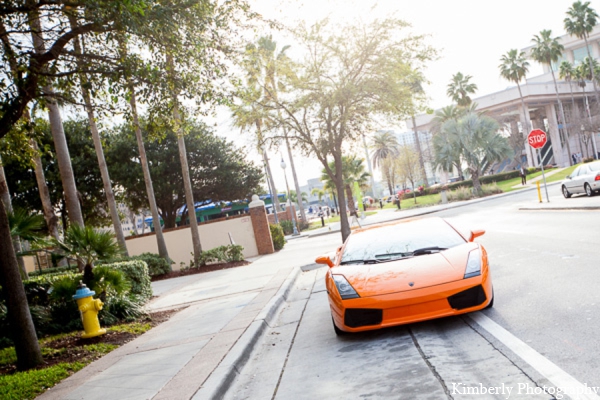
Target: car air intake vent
[
  {"x": 356, "y": 317},
  {"x": 467, "y": 298}
]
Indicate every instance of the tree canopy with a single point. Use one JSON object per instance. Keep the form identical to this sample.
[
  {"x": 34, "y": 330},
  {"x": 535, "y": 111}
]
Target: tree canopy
[{"x": 218, "y": 170}]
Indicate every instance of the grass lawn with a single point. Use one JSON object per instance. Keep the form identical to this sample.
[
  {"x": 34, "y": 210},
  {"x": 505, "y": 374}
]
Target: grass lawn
[
  {"x": 63, "y": 354},
  {"x": 559, "y": 176}
]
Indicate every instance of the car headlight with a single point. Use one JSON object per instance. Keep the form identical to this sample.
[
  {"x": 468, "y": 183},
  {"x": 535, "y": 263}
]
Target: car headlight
[
  {"x": 473, "y": 264},
  {"x": 344, "y": 288}
]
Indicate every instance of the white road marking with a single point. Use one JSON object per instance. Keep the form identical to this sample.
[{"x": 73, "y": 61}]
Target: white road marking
[{"x": 554, "y": 374}]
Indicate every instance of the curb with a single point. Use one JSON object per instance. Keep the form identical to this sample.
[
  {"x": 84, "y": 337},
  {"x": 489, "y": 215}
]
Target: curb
[
  {"x": 217, "y": 384},
  {"x": 558, "y": 208}
]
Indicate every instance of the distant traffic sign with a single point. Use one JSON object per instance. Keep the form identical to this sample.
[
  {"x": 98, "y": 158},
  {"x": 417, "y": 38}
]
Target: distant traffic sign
[{"x": 537, "y": 138}]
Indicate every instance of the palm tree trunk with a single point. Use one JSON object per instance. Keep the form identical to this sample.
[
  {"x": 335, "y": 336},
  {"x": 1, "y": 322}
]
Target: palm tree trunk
[
  {"x": 421, "y": 160},
  {"x": 160, "y": 240},
  {"x": 338, "y": 180},
  {"x": 350, "y": 199},
  {"x": 25, "y": 340},
  {"x": 526, "y": 128},
  {"x": 110, "y": 197},
  {"x": 275, "y": 199},
  {"x": 574, "y": 107},
  {"x": 185, "y": 171},
  {"x": 5, "y": 199},
  {"x": 296, "y": 185},
  {"x": 562, "y": 115},
  {"x": 373, "y": 192},
  {"x": 58, "y": 134},
  {"x": 49, "y": 214}
]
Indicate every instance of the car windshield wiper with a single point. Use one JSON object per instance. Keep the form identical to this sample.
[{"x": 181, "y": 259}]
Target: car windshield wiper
[
  {"x": 352, "y": 262},
  {"x": 427, "y": 250}
]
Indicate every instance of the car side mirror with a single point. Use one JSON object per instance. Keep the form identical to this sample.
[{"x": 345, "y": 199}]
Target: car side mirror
[
  {"x": 568, "y": 177},
  {"x": 325, "y": 260},
  {"x": 476, "y": 233}
]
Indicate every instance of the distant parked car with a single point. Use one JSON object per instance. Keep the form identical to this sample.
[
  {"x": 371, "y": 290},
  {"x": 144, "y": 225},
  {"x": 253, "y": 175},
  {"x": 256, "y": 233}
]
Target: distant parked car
[{"x": 585, "y": 179}]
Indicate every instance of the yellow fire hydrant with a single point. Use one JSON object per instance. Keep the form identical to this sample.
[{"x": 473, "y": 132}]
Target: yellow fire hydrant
[{"x": 89, "y": 307}]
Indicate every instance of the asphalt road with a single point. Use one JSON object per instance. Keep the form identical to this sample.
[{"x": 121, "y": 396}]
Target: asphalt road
[{"x": 542, "y": 331}]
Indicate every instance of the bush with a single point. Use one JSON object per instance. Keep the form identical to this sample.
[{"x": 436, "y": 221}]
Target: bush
[
  {"x": 588, "y": 159},
  {"x": 156, "y": 264},
  {"x": 287, "y": 226},
  {"x": 221, "y": 254},
  {"x": 277, "y": 235},
  {"x": 136, "y": 272},
  {"x": 56, "y": 270}
]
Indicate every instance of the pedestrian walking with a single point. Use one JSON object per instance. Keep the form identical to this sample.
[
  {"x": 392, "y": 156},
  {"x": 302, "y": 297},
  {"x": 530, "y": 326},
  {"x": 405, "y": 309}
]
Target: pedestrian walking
[
  {"x": 380, "y": 204},
  {"x": 523, "y": 174}
]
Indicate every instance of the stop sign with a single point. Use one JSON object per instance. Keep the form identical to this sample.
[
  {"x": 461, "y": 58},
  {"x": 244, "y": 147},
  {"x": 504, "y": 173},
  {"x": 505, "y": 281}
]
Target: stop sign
[{"x": 537, "y": 138}]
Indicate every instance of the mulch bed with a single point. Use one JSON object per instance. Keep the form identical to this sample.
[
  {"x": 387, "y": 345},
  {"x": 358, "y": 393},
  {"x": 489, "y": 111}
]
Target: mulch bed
[
  {"x": 200, "y": 270},
  {"x": 73, "y": 344}
]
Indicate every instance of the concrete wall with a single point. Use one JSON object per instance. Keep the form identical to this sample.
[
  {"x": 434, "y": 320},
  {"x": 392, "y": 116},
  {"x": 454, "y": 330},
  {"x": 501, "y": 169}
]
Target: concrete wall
[{"x": 212, "y": 234}]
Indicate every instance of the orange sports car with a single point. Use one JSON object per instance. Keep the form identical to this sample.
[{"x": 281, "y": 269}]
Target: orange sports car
[{"x": 405, "y": 272}]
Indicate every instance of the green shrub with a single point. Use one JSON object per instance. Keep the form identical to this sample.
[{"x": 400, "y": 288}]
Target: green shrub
[
  {"x": 156, "y": 264},
  {"x": 459, "y": 194},
  {"x": 220, "y": 254},
  {"x": 136, "y": 272},
  {"x": 588, "y": 159},
  {"x": 57, "y": 270},
  {"x": 287, "y": 226},
  {"x": 277, "y": 235}
]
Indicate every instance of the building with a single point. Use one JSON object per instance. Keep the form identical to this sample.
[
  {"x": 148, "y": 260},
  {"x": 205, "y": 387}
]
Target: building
[{"x": 572, "y": 135}]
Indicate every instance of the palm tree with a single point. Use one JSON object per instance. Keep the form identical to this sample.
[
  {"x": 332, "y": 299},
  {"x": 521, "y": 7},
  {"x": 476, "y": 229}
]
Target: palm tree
[
  {"x": 479, "y": 143},
  {"x": 513, "y": 68},
  {"x": 567, "y": 72},
  {"x": 160, "y": 239},
  {"x": 89, "y": 245},
  {"x": 318, "y": 192},
  {"x": 459, "y": 89},
  {"x": 580, "y": 22},
  {"x": 446, "y": 155},
  {"x": 58, "y": 134},
  {"x": 294, "y": 196},
  {"x": 353, "y": 170},
  {"x": 385, "y": 146},
  {"x": 547, "y": 50},
  {"x": 87, "y": 100}
]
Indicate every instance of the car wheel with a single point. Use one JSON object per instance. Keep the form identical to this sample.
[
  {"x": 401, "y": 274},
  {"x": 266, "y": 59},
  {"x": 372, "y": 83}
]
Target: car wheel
[
  {"x": 566, "y": 192},
  {"x": 588, "y": 190},
  {"x": 337, "y": 330},
  {"x": 491, "y": 302}
]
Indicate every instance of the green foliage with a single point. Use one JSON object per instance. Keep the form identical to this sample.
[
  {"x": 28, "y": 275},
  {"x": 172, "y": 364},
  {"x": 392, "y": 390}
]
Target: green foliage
[
  {"x": 88, "y": 244},
  {"x": 156, "y": 264},
  {"x": 466, "y": 193},
  {"x": 54, "y": 270},
  {"x": 137, "y": 328},
  {"x": 136, "y": 272},
  {"x": 287, "y": 226},
  {"x": 218, "y": 169},
  {"x": 29, "y": 384},
  {"x": 220, "y": 254},
  {"x": 277, "y": 235},
  {"x": 27, "y": 226}
]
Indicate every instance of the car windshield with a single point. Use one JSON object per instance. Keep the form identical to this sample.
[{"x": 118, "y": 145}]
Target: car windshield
[
  {"x": 594, "y": 166},
  {"x": 401, "y": 240}
]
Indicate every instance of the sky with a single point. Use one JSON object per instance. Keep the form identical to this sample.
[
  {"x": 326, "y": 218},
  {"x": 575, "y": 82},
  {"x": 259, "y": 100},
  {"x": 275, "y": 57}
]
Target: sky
[{"x": 470, "y": 35}]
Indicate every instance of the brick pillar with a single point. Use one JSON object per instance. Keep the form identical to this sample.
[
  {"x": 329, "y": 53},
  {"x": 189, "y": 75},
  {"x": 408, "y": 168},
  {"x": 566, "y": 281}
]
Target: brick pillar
[{"x": 260, "y": 224}]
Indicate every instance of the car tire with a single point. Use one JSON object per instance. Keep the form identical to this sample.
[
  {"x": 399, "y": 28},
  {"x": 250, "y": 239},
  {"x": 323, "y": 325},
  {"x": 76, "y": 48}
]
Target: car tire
[
  {"x": 566, "y": 193},
  {"x": 491, "y": 302},
  {"x": 588, "y": 190},
  {"x": 337, "y": 330}
]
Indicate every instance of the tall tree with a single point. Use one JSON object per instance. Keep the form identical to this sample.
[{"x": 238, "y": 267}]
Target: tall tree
[
  {"x": 353, "y": 171},
  {"x": 408, "y": 167},
  {"x": 385, "y": 146},
  {"x": 218, "y": 170},
  {"x": 567, "y": 72},
  {"x": 580, "y": 21},
  {"x": 514, "y": 67},
  {"x": 343, "y": 85},
  {"x": 56, "y": 127},
  {"x": 548, "y": 50},
  {"x": 460, "y": 88},
  {"x": 87, "y": 100}
]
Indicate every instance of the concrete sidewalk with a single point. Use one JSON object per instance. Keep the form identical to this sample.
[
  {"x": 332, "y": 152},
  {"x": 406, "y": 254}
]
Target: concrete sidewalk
[{"x": 200, "y": 350}]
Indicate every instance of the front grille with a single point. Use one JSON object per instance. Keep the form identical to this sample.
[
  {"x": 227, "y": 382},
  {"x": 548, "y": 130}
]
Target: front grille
[
  {"x": 356, "y": 317},
  {"x": 472, "y": 297}
]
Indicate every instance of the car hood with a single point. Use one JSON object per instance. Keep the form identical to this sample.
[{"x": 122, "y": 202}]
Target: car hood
[{"x": 396, "y": 276}]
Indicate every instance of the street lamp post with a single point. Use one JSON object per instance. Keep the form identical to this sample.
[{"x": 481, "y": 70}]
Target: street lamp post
[{"x": 289, "y": 198}]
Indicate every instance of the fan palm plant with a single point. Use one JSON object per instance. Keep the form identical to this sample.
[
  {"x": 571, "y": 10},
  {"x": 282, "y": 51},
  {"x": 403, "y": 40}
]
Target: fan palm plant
[
  {"x": 581, "y": 20},
  {"x": 353, "y": 170},
  {"x": 548, "y": 50},
  {"x": 88, "y": 245}
]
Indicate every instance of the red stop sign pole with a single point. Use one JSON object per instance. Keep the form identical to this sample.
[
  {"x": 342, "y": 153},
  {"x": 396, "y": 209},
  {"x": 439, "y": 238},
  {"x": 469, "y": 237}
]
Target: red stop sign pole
[{"x": 537, "y": 139}]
